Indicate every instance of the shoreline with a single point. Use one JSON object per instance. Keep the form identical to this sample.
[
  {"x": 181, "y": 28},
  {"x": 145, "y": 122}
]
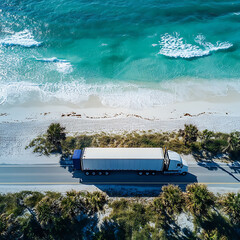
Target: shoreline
[{"x": 183, "y": 111}]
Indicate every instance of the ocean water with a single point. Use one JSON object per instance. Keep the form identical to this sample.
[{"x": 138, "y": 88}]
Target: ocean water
[{"x": 128, "y": 53}]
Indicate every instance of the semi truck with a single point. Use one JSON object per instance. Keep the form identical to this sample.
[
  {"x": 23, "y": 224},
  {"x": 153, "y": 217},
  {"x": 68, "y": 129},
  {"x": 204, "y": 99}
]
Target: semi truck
[{"x": 144, "y": 161}]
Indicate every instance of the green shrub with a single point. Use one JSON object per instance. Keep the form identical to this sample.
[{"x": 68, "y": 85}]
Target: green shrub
[
  {"x": 199, "y": 200},
  {"x": 83, "y": 141},
  {"x": 215, "y": 146},
  {"x": 178, "y": 146},
  {"x": 230, "y": 204},
  {"x": 190, "y": 134},
  {"x": 196, "y": 147}
]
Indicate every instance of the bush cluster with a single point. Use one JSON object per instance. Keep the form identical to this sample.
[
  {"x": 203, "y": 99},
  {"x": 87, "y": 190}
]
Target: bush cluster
[{"x": 79, "y": 215}]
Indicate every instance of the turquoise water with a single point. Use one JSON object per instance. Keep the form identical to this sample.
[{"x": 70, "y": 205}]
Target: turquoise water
[{"x": 135, "y": 53}]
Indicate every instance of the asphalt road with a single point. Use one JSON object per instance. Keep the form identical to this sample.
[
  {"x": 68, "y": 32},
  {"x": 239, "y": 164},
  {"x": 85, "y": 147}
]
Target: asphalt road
[{"x": 212, "y": 174}]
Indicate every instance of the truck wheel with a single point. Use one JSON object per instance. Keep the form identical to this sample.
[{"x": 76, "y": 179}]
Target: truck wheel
[
  {"x": 140, "y": 173},
  {"x": 87, "y": 173},
  {"x": 184, "y": 173},
  {"x": 99, "y": 173},
  {"x": 106, "y": 173},
  {"x": 147, "y": 173},
  {"x": 153, "y": 173},
  {"x": 93, "y": 173}
]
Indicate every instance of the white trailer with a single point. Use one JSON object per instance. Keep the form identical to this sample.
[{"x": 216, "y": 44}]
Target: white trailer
[{"x": 146, "y": 161}]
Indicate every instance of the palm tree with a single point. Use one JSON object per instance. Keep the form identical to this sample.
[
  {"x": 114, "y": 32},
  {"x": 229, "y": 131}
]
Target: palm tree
[
  {"x": 157, "y": 206},
  {"x": 190, "y": 134},
  {"x": 206, "y": 135},
  {"x": 32, "y": 199},
  {"x": 55, "y": 221},
  {"x": 172, "y": 199},
  {"x": 9, "y": 227},
  {"x": 199, "y": 200},
  {"x": 158, "y": 214},
  {"x": 48, "y": 211},
  {"x": 230, "y": 204},
  {"x": 56, "y": 134},
  {"x": 233, "y": 142},
  {"x": 212, "y": 235},
  {"x": 73, "y": 204},
  {"x": 95, "y": 201}
]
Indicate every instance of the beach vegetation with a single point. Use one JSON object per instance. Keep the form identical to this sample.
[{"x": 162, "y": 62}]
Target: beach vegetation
[
  {"x": 189, "y": 134},
  {"x": 186, "y": 141},
  {"x": 199, "y": 200},
  {"x": 172, "y": 200},
  {"x": 131, "y": 220},
  {"x": 230, "y": 203},
  {"x": 215, "y": 146},
  {"x": 50, "y": 142},
  {"x": 55, "y": 135},
  {"x": 212, "y": 235},
  {"x": 84, "y": 215}
]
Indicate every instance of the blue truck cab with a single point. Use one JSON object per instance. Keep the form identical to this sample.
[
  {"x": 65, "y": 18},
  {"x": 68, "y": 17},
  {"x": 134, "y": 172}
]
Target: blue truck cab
[{"x": 77, "y": 159}]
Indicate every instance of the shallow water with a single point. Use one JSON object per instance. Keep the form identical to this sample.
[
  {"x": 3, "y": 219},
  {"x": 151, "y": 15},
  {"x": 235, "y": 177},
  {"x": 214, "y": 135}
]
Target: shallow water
[{"x": 131, "y": 53}]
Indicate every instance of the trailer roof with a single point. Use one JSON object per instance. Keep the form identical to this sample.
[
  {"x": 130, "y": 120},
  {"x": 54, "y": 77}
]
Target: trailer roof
[{"x": 123, "y": 153}]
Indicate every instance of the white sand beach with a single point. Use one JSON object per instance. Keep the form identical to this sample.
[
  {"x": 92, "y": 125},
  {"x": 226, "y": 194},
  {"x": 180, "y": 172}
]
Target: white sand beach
[{"x": 19, "y": 125}]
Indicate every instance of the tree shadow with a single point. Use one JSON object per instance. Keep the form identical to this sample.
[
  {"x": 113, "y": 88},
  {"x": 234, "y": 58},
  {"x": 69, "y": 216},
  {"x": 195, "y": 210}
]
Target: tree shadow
[
  {"x": 206, "y": 156},
  {"x": 187, "y": 234},
  {"x": 206, "y": 160},
  {"x": 219, "y": 222},
  {"x": 214, "y": 166},
  {"x": 174, "y": 229},
  {"x": 234, "y": 166}
]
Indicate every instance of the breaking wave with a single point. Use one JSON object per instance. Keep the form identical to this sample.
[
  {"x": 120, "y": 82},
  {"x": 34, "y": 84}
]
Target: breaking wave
[
  {"x": 61, "y": 65},
  {"x": 176, "y": 47},
  {"x": 53, "y": 59},
  {"x": 113, "y": 95},
  {"x": 23, "y": 38}
]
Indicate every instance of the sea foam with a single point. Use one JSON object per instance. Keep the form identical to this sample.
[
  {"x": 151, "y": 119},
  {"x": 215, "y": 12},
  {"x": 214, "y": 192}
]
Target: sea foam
[
  {"x": 61, "y": 65},
  {"x": 115, "y": 95},
  {"x": 176, "y": 47},
  {"x": 23, "y": 38}
]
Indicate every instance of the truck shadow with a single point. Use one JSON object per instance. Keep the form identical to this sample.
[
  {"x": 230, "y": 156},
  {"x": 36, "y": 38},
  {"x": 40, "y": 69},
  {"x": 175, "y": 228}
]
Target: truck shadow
[{"x": 129, "y": 184}]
